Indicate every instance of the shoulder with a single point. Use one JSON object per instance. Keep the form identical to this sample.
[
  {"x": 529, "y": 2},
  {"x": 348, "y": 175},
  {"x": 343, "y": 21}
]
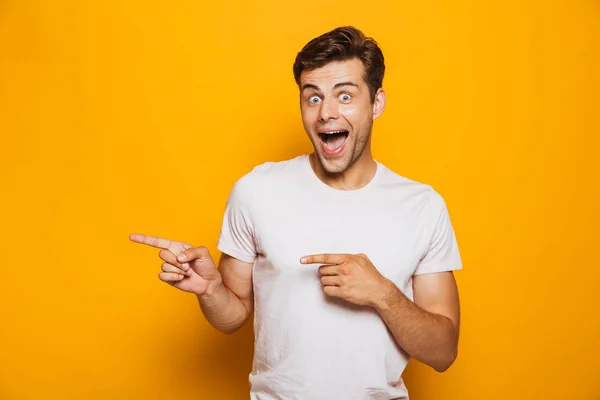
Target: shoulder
[
  {"x": 264, "y": 175},
  {"x": 391, "y": 179},
  {"x": 279, "y": 168},
  {"x": 409, "y": 191},
  {"x": 272, "y": 170},
  {"x": 393, "y": 182}
]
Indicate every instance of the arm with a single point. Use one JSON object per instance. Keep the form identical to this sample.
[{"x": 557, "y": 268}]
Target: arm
[
  {"x": 229, "y": 301},
  {"x": 427, "y": 329}
]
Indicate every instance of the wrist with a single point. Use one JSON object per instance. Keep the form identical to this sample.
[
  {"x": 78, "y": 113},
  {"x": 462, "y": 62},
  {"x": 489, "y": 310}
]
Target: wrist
[
  {"x": 212, "y": 289},
  {"x": 387, "y": 295}
]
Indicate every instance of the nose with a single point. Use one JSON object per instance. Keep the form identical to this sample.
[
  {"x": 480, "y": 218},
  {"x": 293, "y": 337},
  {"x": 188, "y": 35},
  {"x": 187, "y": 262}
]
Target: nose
[{"x": 329, "y": 110}]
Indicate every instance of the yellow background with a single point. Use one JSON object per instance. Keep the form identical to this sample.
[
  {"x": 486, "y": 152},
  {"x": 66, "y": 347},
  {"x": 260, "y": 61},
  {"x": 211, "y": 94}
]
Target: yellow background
[{"x": 138, "y": 116}]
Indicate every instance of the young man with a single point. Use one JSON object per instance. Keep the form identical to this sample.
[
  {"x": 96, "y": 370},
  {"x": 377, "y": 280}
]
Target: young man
[{"x": 346, "y": 265}]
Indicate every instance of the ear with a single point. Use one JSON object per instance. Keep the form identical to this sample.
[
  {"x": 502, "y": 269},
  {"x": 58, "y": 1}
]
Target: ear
[{"x": 378, "y": 103}]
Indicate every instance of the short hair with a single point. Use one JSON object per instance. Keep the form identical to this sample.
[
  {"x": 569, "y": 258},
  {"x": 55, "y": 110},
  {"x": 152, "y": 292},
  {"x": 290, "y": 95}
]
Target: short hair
[{"x": 341, "y": 44}]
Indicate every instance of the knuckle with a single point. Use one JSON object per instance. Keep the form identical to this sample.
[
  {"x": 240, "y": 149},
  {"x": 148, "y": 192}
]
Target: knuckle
[{"x": 186, "y": 252}]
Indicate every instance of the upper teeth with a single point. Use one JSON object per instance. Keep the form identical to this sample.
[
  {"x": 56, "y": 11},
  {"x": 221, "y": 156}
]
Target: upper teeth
[{"x": 332, "y": 132}]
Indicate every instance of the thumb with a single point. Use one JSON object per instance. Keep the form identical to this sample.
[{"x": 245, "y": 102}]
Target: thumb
[
  {"x": 200, "y": 260},
  {"x": 195, "y": 253}
]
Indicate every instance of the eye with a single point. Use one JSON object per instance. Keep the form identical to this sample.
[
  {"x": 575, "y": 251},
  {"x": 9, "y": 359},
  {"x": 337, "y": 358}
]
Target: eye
[
  {"x": 314, "y": 99},
  {"x": 345, "y": 97}
]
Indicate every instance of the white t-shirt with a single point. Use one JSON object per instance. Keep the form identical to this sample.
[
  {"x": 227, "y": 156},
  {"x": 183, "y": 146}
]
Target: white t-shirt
[{"x": 308, "y": 345}]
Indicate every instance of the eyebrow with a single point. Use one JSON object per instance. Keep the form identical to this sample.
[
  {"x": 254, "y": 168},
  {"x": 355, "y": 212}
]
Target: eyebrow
[{"x": 336, "y": 86}]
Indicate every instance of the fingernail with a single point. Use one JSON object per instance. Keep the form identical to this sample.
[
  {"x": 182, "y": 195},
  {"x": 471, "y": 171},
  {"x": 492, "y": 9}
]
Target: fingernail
[
  {"x": 303, "y": 260},
  {"x": 185, "y": 266},
  {"x": 181, "y": 257}
]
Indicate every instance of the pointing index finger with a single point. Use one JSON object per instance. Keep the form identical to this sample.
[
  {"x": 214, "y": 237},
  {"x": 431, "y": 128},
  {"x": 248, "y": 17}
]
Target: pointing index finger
[
  {"x": 150, "y": 241},
  {"x": 323, "y": 259}
]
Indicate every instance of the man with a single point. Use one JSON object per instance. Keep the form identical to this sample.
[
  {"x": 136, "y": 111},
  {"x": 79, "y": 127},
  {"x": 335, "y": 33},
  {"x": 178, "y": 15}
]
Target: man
[{"x": 346, "y": 265}]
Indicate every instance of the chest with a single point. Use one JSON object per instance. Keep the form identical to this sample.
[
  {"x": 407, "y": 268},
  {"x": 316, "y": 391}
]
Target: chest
[{"x": 391, "y": 232}]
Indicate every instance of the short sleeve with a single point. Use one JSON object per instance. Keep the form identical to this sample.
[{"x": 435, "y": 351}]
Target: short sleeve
[
  {"x": 442, "y": 253},
  {"x": 237, "y": 230}
]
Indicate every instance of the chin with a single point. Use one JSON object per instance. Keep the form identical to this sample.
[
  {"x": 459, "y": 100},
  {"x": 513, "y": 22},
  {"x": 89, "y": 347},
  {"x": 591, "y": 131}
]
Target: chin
[{"x": 333, "y": 166}]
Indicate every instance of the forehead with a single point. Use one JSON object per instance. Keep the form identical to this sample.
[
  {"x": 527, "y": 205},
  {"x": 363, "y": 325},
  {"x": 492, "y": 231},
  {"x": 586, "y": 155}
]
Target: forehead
[{"x": 334, "y": 72}]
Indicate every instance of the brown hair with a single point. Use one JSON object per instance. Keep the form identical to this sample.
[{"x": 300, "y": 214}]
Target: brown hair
[{"x": 340, "y": 44}]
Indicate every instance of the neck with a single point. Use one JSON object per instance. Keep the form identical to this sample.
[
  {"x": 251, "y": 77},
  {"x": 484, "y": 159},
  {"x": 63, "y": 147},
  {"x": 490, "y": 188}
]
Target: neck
[{"x": 355, "y": 177}]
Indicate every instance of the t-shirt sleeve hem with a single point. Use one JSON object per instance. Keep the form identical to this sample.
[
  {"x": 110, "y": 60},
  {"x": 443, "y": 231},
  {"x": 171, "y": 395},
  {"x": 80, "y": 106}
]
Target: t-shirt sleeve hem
[
  {"x": 425, "y": 270},
  {"x": 235, "y": 253}
]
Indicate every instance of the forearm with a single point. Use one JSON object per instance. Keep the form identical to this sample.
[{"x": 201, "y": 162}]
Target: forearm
[
  {"x": 428, "y": 337},
  {"x": 223, "y": 309}
]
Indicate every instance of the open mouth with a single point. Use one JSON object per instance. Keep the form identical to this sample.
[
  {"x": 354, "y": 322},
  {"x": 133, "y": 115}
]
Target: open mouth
[{"x": 333, "y": 141}]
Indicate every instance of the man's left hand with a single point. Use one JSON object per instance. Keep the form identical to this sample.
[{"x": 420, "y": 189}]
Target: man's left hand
[{"x": 351, "y": 277}]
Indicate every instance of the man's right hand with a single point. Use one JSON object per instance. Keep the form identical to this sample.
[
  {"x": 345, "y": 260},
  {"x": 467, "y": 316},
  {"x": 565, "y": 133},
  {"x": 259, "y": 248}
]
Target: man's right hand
[{"x": 185, "y": 267}]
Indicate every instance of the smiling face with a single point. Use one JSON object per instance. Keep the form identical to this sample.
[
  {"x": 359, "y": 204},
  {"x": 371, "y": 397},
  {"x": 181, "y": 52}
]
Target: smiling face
[{"x": 337, "y": 113}]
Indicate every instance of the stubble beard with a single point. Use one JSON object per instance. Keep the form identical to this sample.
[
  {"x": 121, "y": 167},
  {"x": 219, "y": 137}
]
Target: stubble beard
[{"x": 335, "y": 167}]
